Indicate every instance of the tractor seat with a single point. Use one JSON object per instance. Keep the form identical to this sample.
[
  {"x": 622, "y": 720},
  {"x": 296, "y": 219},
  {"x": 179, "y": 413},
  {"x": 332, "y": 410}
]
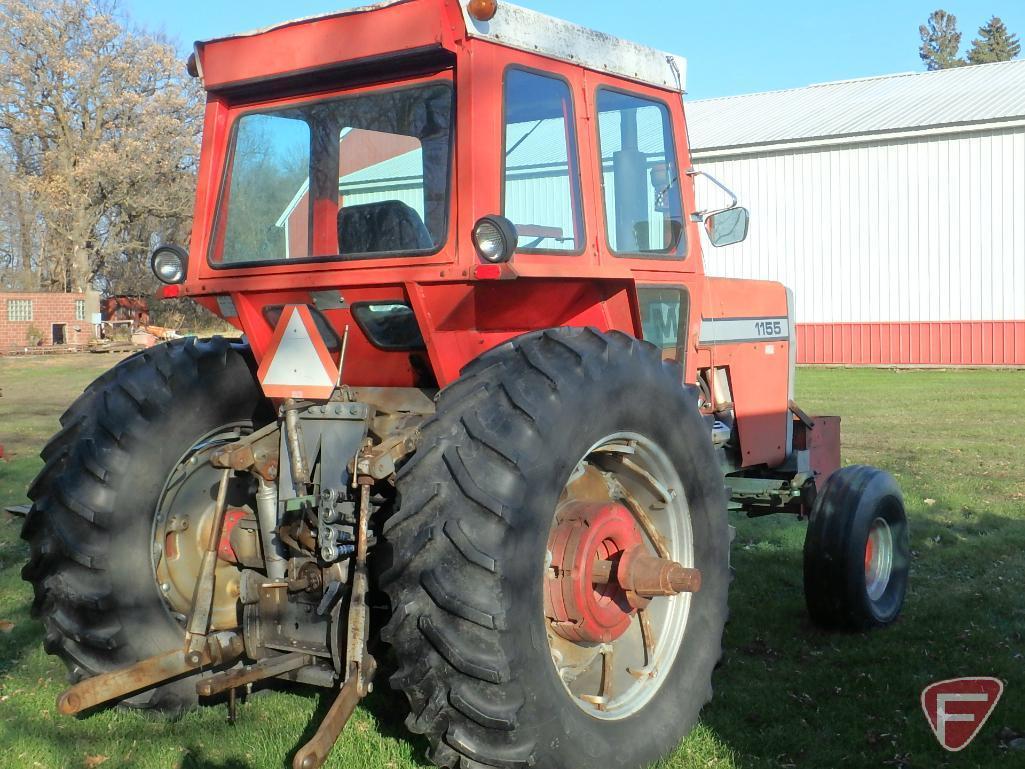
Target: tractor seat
[{"x": 375, "y": 228}]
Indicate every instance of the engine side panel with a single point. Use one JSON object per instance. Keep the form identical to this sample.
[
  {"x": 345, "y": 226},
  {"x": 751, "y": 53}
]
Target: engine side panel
[{"x": 747, "y": 329}]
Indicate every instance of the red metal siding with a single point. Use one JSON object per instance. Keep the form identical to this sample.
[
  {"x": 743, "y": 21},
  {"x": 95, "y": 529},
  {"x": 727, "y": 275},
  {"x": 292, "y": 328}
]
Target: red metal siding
[{"x": 964, "y": 343}]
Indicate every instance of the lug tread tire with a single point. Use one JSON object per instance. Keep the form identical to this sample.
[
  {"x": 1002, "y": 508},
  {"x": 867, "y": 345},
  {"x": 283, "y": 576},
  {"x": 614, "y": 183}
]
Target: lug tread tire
[
  {"x": 86, "y": 494},
  {"x": 447, "y": 546}
]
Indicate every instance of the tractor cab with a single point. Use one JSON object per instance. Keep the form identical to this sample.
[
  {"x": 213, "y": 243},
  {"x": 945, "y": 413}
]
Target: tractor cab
[{"x": 480, "y": 165}]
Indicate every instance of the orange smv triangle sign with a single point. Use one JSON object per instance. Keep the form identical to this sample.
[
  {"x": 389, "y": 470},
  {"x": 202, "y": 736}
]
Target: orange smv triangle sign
[{"x": 298, "y": 364}]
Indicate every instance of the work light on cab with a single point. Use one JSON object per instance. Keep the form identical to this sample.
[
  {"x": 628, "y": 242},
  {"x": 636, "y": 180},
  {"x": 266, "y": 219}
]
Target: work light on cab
[
  {"x": 168, "y": 264},
  {"x": 495, "y": 239}
]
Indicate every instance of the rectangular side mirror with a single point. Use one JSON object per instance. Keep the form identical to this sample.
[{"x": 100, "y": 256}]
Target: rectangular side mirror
[{"x": 728, "y": 227}]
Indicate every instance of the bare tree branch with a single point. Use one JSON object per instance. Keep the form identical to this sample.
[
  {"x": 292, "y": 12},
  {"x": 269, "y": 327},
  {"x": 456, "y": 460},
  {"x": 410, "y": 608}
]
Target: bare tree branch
[{"x": 99, "y": 138}]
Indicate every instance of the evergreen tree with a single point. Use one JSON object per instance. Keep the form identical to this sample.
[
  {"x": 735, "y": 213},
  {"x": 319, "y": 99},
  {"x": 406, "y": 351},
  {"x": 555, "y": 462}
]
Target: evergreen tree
[
  {"x": 994, "y": 43},
  {"x": 941, "y": 41}
]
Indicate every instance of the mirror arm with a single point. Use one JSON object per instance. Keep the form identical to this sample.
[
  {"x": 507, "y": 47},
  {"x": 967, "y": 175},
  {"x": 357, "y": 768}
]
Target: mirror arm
[{"x": 700, "y": 216}]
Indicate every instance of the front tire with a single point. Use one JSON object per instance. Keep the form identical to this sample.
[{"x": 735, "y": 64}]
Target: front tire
[
  {"x": 467, "y": 548},
  {"x": 857, "y": 551},
  {"x": 90, "y": 528}
]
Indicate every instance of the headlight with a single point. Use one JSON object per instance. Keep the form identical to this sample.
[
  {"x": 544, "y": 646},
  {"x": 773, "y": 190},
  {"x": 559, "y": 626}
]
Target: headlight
[
  {"x": 495, "y": 238},
  {"x": 168, "y": 264}
]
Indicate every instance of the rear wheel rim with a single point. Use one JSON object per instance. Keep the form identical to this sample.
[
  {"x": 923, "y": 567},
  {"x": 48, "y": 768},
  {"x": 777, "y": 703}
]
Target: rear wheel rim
[
  {"x": 878, "y": 559},
  {"x": 613, "y": 681},
  {"x": 181, "y": 525}
]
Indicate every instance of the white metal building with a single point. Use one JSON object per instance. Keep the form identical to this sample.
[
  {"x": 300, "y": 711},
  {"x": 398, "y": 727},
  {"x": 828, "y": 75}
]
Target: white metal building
[{"x": 893, "y": 206}]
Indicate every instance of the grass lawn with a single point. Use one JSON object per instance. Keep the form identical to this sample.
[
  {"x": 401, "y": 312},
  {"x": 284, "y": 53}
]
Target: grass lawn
[{"x": 787, "y": 695}]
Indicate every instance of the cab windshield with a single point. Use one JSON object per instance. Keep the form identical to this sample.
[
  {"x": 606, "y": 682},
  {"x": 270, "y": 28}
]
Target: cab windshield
[{"x": 353, "y": 177}]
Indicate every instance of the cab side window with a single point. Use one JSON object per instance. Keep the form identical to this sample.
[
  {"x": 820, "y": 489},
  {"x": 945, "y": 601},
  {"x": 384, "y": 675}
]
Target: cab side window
[
  {"x": 542, "y": 176},
  {"x": 640, "y": 177},
  {"x": 665, "y": 318}
]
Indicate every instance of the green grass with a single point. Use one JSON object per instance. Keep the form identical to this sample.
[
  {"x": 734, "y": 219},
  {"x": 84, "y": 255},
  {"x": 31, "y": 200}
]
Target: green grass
[{"x": 786, "y": 693}]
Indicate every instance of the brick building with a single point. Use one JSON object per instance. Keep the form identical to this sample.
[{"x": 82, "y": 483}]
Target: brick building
[{"x": 46, "y": 320}]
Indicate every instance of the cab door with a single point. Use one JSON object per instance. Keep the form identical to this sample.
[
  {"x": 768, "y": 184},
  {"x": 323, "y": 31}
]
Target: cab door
[{"x": 644, "y": 207}]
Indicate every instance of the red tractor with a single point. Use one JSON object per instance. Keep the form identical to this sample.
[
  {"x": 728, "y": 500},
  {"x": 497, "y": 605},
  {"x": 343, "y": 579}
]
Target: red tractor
[{"x": 487, "y": 419}]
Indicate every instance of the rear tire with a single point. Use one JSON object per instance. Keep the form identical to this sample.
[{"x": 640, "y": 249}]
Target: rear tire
[
  {"x": 90, "y": 527},
  {"x": 857, "y": 552},
  {"x": 466, "y": 552}
]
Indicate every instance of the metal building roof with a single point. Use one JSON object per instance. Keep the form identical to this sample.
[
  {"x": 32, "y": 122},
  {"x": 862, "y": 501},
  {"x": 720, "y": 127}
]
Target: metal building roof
[{"x": 908, "y": 102}]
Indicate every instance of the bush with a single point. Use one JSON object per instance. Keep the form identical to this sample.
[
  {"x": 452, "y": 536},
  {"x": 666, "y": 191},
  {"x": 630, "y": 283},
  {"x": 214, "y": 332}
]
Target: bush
[{"x": 34, "y": 336}]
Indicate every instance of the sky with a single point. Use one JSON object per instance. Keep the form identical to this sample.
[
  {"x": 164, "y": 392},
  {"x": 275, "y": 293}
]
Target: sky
[{"x": 733, "y": 46}]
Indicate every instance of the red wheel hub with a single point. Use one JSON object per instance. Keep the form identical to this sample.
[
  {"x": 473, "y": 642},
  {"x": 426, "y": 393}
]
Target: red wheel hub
[{"x": 581, "y": 610}]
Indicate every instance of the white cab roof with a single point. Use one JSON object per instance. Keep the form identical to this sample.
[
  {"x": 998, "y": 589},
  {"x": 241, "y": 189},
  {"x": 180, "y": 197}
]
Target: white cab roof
[{"x": 535, "y": 32}]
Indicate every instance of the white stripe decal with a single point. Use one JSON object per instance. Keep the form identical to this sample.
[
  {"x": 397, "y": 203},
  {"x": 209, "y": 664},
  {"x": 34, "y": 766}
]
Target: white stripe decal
[{"x": 734, "y": 330}]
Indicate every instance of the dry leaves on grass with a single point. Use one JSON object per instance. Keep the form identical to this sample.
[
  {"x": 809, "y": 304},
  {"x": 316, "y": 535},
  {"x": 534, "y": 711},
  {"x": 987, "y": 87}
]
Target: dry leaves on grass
[{"x": 91, "y": 762}]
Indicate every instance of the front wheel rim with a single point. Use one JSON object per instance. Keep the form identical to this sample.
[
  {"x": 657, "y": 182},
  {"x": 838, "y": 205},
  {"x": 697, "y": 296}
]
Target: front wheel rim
[
  {"x": 615, "y": 680},
  {"x": 878, "y": 559}
]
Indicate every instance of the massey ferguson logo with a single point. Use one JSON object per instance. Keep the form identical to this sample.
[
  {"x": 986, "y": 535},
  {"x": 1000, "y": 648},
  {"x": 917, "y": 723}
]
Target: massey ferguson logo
[{"x": 958, "y": 709}]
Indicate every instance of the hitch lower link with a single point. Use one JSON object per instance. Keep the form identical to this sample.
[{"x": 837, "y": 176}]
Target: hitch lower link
[{"x": 220, "y": 649}]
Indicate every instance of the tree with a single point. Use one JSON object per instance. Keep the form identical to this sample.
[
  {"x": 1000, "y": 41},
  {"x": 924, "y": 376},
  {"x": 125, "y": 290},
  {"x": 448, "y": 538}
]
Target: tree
[
  {"x": 994, "y": 43},
  {"x": 99, "y": 137},
  {"x": 941, "y": 41}
]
